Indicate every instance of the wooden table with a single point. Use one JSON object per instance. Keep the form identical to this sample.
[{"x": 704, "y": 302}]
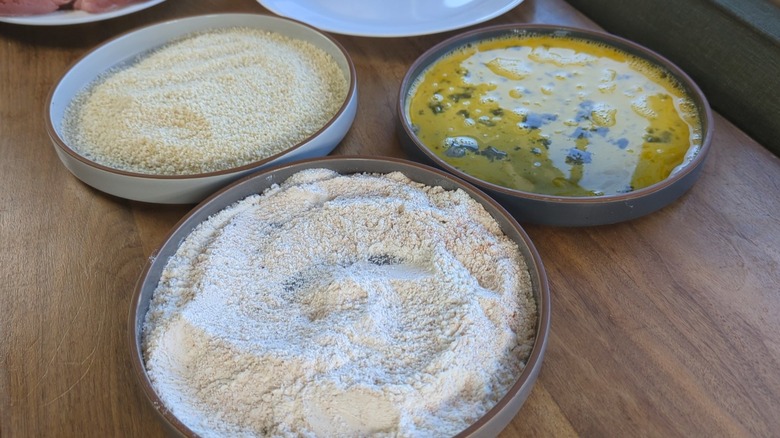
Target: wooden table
[{"x": 668, "y": 325}]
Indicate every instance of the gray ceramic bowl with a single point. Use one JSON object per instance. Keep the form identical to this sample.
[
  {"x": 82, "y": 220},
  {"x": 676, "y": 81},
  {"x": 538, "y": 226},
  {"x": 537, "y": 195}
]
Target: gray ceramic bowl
[
  {"x": 187, "y": 189},
  {"x": 493, "y": 421},
  {"x": 528, "y": 207}
]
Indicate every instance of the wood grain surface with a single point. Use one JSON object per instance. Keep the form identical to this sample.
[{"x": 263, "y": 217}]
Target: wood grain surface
[{"x": 668, "y": 325}]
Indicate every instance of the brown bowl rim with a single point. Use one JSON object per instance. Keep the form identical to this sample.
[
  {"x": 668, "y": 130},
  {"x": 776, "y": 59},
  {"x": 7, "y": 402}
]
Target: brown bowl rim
[
  {"x": 526, "y": 379},
  {"x": 62, "y": 145},
  {"x": 437, "y": 51}
]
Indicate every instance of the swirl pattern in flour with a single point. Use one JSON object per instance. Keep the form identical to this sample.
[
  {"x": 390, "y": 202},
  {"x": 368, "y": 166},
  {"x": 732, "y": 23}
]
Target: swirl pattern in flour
[{"x": 350, "y": 304}]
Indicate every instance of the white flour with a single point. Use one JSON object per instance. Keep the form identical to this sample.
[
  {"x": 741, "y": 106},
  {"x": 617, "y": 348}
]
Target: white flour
[{"x": 349, "y": 305}]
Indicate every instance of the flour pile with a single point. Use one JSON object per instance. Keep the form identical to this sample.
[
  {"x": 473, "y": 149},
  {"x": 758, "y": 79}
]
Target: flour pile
[{"x": 333, "y": 304}]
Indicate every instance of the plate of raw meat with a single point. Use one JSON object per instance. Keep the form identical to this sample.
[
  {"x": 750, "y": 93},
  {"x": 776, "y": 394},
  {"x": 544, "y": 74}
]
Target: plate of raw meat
[{"x": 65, "y": 12}]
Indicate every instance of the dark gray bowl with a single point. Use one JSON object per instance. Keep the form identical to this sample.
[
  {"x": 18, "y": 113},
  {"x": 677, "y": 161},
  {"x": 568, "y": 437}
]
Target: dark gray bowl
[
  {"x": 494, "y": 420},
  {"x": 528, "y": 207}
]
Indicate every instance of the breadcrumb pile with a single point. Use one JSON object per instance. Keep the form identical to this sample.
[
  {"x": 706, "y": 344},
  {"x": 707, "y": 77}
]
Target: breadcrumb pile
[{"x": 211, "y": 101}]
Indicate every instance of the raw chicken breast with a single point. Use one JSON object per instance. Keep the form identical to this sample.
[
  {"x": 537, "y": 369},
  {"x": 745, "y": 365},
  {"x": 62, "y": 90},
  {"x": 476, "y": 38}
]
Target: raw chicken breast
[
  {"x": 96, "y": 6},
  {"x": 30, "y": 7}
]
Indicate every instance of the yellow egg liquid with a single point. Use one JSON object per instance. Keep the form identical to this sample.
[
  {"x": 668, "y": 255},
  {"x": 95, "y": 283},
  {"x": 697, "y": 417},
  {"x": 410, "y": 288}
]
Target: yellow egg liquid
[{"x": 554, "y": 115}]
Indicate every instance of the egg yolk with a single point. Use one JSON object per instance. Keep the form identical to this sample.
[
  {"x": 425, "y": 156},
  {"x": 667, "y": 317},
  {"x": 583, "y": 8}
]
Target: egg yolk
[{"x": 554, "y": 115}]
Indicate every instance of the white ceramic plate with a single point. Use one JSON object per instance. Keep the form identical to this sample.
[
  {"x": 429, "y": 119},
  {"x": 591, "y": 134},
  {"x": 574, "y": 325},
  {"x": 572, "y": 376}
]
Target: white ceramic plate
[
  {"x": 383, "y": 18},
  {"x": 67, "y": 17}
]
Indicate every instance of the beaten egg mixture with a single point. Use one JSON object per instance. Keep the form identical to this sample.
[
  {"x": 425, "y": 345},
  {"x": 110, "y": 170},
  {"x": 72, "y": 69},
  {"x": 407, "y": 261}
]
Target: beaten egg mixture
[{"x": 554, "y": 115}]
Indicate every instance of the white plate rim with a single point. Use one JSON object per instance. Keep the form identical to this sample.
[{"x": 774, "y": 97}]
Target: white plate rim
[
  {"x": 390, "y": 31},
  {"x": 69, "y": 17}
]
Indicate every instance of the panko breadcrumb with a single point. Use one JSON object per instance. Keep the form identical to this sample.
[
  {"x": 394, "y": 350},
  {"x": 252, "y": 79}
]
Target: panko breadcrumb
[{"x": 210, "y": 101}]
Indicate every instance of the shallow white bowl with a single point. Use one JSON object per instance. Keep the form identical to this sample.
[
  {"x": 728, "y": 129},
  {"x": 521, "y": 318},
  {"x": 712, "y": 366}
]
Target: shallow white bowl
[
  {"x": 493, "y": 421},
  {"x": 186, "y": 189},
  {"x": 537, "y": 208}
]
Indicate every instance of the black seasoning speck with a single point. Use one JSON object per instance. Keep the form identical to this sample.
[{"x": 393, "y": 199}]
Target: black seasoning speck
[
  {"x": 577, "y": 157},
  {"x": 436, "y": 107},
  {"x": 493, "y": 154}
]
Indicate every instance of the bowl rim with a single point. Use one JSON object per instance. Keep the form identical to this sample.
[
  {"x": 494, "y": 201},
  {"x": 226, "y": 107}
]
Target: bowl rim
[
  {"x": 524, "y": 381},
  {"x": 60, "y": 143},
  {"x": 435, "y": 53}
]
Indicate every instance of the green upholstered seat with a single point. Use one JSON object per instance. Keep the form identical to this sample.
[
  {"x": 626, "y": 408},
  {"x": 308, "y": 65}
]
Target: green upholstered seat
[{"x": 731, "y": 48}]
